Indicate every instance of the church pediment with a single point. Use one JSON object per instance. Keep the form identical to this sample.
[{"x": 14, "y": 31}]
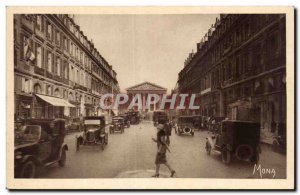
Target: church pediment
[{"x": 146, "y": 86}]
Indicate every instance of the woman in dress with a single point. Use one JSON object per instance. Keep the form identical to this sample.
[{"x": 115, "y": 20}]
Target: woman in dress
[{"x": 162, "y": 148}]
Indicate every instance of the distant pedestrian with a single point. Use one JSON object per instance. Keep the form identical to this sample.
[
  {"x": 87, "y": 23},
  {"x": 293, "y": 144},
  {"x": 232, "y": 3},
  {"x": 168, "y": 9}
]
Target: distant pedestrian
[{"x": 162, "y": 148}]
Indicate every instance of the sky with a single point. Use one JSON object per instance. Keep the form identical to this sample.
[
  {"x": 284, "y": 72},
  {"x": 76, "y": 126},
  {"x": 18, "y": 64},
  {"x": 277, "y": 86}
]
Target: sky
[{"x": 146, "y": 47}]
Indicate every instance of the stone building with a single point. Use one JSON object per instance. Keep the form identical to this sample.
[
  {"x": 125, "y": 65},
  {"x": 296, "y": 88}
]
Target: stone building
[
  {"x": 58, "y": 72},
  {"x": 239, "y": 70},
  {"x": 145, "y": 89}
]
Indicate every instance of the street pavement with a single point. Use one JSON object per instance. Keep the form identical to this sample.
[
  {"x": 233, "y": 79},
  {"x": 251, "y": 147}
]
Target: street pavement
[{"x": 132, "y": 154}]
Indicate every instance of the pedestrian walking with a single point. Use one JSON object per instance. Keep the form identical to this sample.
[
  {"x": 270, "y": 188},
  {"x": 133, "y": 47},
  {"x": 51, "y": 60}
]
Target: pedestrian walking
[{"x": 162, "y": 148}]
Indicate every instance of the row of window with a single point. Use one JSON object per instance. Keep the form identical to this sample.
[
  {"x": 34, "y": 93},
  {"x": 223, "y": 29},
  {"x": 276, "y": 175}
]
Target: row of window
[
  {"x": 242, "y": 32},
  {"x": 54, "y": 64},
  {"x": 62, "y": 41}
]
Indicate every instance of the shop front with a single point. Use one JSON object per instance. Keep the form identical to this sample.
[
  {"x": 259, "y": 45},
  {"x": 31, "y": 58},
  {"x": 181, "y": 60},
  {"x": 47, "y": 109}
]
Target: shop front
[{"x": 50, "y": 107}]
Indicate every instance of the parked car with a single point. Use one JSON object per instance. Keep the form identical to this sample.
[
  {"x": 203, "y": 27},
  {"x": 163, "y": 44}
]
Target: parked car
[
  {"x": 185, "y": 125},
  {"x": 238, "y": 139},
  {"x": 74, "y": 124},
  {"x": 197, "y": 121},
  {"x": 93, "y": 132},
  {"x": 117, "y": 125},
  {"x": 39, "y": 143},
  {"x": 134, "y": 117},
  {"x": 126, "y": 120},
  {"x": 159, "y": 115}
]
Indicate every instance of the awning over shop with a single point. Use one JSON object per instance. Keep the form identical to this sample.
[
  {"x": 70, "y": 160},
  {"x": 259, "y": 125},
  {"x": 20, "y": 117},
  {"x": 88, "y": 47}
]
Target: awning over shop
[{"x": 55, "y": 101}]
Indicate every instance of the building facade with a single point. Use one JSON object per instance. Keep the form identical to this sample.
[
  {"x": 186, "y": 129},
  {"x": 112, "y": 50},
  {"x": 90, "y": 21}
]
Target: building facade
[
  {"x": 58, "y": 72},
  {"x": 239, "y": 70},
  {"x": 145, "y": 89}
]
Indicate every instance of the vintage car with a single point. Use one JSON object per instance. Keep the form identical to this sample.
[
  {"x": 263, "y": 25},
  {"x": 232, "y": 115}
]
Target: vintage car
[
  {"x": 117, "y": 125},
  {"x": 238, "y": 139},
  {"x": 74, "y": 124},
  {"x": 185, "y": 125},
  {"x": 197, "y": 121},
  {"x": 93, "y": 132},
  {"x": 39, "y": 143},
  {"x": 134, "y": 117},
  {"x": 159, "y": 115},
  {"x": 126, "y": 120}
]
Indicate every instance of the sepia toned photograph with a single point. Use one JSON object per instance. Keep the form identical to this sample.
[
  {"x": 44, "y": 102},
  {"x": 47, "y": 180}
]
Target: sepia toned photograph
[{"x": 150, "y": 98}]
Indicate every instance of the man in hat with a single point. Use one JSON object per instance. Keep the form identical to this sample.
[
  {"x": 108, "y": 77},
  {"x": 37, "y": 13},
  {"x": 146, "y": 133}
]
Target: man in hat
[{"x": 162, "y": 148}]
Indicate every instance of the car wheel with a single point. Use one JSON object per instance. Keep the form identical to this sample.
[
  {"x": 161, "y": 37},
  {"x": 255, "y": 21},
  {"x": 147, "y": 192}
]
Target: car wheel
[
  {"x": 63, "y": 158},
  {"x": 226, "y": 156},
  {"x": 28, "y": 170},
  {"x": 208, "y": 148}
]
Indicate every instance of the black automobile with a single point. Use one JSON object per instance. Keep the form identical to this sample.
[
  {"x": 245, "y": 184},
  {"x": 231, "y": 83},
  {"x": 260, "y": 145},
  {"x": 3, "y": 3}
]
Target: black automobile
[
  {"x": 238, "y": 139},
  {"x": 117, "y": 125},
  {"x": 197, "y": 121},
  {"x": 185, "y": 125},
  {"x": 134, "y": 117},
  {"x": 93, "y": 132},
  {"x": 39, "y": 143},
  {"x": 159, "y": 115},
  {"x": 126, "y": 120}
]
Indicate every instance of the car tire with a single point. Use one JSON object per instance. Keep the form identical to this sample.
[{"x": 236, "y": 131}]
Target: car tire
[
  {"x": 63, "y": 158},
  {"x": 28, "y": 170},
  {"x": 208, "y": 148},
  {"x": 226, "y": 156}
]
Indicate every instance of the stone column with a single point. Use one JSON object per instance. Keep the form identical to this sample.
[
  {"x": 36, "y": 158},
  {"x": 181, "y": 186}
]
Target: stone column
[{"x": 143, "y": 102}]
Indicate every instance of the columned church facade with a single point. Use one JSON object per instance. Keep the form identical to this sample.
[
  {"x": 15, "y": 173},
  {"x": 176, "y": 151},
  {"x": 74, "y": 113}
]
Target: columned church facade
[{"x": 145, "y": 89}]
